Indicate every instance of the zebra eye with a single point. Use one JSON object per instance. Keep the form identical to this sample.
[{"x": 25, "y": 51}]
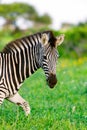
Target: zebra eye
[{"x": 44, "y": 57}]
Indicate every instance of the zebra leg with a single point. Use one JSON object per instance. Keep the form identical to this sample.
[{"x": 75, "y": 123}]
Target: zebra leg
[
  {"x": 2, "y": 97},
  {"x": 21, "y": 102}
]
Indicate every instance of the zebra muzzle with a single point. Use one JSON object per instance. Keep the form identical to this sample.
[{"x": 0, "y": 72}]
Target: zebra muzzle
[{"x": 52, "y": 80}]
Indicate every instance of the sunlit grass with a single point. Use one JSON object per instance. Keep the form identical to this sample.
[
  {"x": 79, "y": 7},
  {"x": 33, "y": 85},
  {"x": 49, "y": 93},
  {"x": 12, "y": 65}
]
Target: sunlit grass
[{"x": 61, "y": 108}]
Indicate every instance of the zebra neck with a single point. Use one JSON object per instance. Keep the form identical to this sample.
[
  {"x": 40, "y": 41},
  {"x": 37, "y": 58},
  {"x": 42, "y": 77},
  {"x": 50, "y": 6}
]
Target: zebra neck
[
  {"x": 21, "y": 63},
  {"x": 1, "y": 64}
]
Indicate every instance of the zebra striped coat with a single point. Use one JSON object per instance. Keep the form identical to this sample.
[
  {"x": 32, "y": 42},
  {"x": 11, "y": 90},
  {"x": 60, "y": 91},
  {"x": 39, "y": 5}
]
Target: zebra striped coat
[{"x": 21, "y": 58}]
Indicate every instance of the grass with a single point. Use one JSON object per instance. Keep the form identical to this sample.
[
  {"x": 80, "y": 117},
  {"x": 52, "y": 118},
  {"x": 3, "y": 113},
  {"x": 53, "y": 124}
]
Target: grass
[{"x": 61, "y": 108}]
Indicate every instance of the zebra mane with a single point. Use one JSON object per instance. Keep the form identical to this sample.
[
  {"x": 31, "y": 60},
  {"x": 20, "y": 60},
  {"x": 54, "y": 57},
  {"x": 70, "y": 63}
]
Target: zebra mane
[{"x": 18, "y": 42}]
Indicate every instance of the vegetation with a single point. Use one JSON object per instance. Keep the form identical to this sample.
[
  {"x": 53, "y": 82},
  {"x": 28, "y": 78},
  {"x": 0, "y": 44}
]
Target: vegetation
[
  {"x": 75, "y": 43},
  {"x": 62, "y": 108},
  {"x": 26, "y": 11}
]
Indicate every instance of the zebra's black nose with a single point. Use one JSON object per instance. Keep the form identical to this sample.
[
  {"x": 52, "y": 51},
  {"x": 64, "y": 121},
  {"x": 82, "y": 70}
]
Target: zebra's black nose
[{"x": 52, "y": 80}]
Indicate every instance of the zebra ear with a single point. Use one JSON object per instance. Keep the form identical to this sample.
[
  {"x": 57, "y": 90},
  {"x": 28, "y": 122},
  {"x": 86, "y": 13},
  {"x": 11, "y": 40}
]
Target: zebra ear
[
  {"x": 59, "y": 40},
  {"x": 44, "y": 39}
]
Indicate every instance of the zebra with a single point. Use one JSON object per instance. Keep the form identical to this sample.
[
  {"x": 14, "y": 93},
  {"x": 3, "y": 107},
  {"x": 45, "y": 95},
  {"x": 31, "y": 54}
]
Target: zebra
[{"x": 21, "y": 58}]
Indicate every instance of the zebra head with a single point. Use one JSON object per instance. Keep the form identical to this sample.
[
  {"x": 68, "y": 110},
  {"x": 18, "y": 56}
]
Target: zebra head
[{"x": 50, "y": 56}]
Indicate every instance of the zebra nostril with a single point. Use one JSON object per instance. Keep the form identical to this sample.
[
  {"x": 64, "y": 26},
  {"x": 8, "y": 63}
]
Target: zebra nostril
[{"x": 52, "y": 80}]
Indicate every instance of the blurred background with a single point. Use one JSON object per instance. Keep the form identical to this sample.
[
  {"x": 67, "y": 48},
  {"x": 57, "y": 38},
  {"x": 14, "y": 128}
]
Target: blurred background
[{"x": 19, "y": 18}]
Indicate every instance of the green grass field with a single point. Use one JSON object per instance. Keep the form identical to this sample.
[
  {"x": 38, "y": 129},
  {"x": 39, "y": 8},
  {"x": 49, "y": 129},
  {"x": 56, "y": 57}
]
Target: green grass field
[{"x": 61, "y": 108}]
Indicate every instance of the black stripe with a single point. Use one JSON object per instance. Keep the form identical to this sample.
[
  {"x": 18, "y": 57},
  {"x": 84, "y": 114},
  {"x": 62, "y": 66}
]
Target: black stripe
[
  {"x": 13, "y": 71},
  {"x": 37, "y": 38},
  {"x": 2, "y": 66},
  {"x": 22, "y": 62},
  {"x": 30, "y": 55},
  {"x": 17, "y": 65},
  {"x": 9, "y": 74},
  {"x": 3, "y": 91},
  {"x": 27, "y": 62},
  {"x": 5, "y": 62}
]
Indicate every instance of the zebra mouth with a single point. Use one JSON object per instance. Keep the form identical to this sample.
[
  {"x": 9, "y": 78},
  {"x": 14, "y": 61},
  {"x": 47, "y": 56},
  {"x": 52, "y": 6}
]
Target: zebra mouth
[{"x": 52, "y": 80}]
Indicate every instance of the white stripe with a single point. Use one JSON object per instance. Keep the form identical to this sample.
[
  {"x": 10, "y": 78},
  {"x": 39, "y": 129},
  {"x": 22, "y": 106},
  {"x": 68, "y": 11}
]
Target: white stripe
[
  {"x": 28, "y": 54},
  {"x": 11, "y": 74},
  {"x": 15, "y": 71},
  {"x": 24, "y": 60},
  {"x": 18, "y": 49},
  {"x": 7, "y": 77}
]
